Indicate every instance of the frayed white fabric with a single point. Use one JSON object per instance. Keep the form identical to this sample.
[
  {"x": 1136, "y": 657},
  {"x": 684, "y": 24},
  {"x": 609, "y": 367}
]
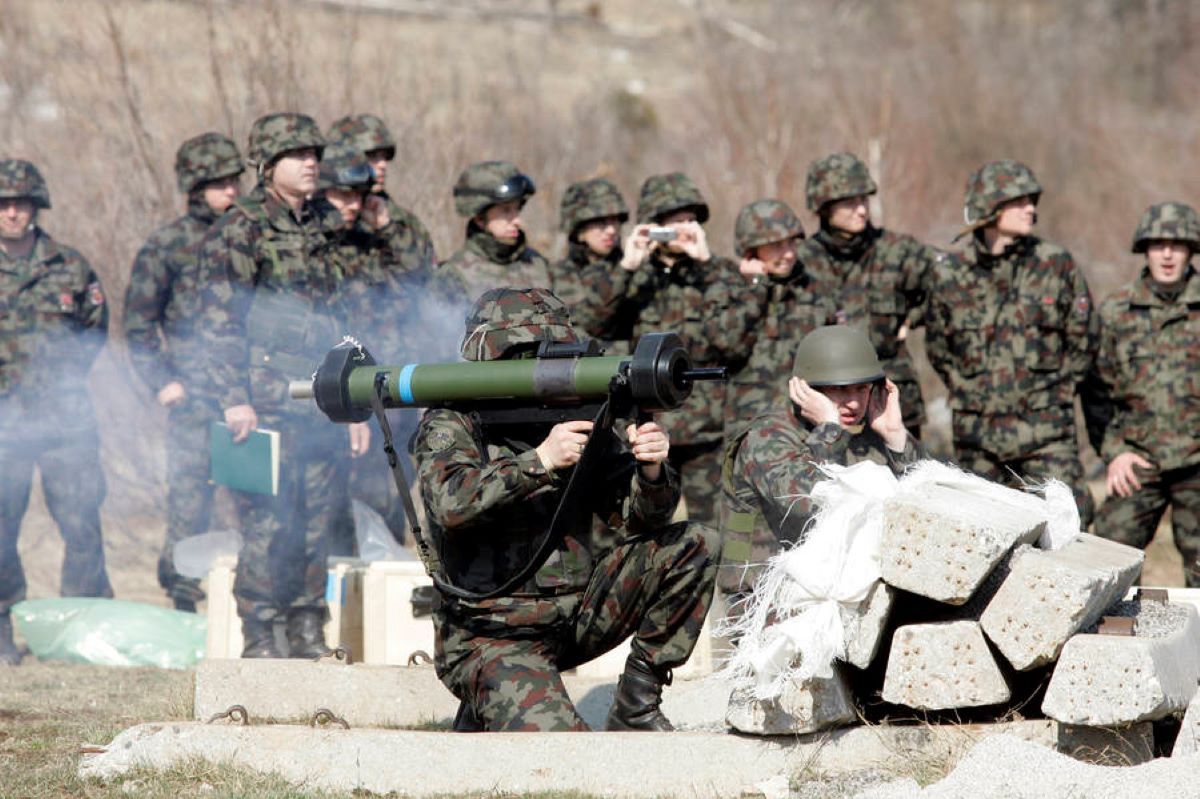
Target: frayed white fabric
[{"x": 792, "y": 628}]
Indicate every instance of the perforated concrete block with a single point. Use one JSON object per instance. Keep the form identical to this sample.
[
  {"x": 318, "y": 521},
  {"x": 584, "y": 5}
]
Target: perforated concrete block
[
  {"x": 941, "y": 666},
  {"x": 804, "y": 706}
]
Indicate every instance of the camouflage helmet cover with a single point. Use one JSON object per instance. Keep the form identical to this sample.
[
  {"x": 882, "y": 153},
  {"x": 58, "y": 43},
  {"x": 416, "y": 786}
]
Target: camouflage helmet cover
[
  {"x": 763, "y": 222},
  {"x": 837, "y": 355},
  {"x": 207, "y": 157},
  {"x": 665, "y": 194},
  {"x": 590, "y": 199},
  {"x": 487, "y": 183},
  {"x": 275, "y": 134},
  {"x": 836, "y": 177},
  {"x": 367, "y": 132},
  {"x": 505, "y": 318},
  {"x": 994, "y": 184},
  {"x": 19, "y": 179},
  {"x": 1171, "y": 221},
  {"x": 344, "y": 166}
]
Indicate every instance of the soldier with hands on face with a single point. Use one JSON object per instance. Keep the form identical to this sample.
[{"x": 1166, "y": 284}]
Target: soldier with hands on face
[
  {"x": 158, "y": 331},
  {"x": 268, "y": 314},
  {"x": 1147, "y": 377},
  {"x": 53, "y": 320},
  {"x": 878, "y": 277},
  {"x": 620, "y": 569},
  {"x": 1010, "y": 329}
]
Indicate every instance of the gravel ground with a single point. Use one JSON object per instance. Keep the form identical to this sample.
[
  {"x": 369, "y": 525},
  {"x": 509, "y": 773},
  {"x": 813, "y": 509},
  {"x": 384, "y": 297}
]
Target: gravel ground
[{"x": 1154, "y": 619}]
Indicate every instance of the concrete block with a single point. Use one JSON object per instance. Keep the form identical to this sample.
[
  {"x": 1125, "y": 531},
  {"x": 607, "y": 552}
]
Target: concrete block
[
  {"x": 804, "y": 706},
  {"x": 941, "y": 666},
  {"x": 865, "y": 624},
  {"x": 1111, "y": 680},
  {"x": 1188, "y": 740},
  {"x": 1051, "y": 595},
  {"x": 941, "y": 542}
]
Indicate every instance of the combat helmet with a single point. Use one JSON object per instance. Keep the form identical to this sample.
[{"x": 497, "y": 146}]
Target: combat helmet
[
  {"x": 344, "y": 166},
  {"x": 836, "y": 177},
  {"x": 487, "y": 183},
  {"x": 665, "y": 194},
  {"x": 994, "y": 184},
  {"x": 204, "y": 158},
  {"x": 275, "y": 134},
  {"x": 367, "y": 132},
  {"x": 504, "y": 320},
  {"x": 1172, "y": 221},
  {"x": 590, "y": 199},
  {"x": 20, "y": 180},
  {"x": 836, "y": 355},
  {"x": 765, "y": 221}
]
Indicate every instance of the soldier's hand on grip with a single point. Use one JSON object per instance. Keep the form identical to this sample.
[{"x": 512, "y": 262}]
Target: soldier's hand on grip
[
  {"x": 241, "y": 420},
  {"x": 1121, "y": 476},
  {"x": 360, "y": 439},
  {"x": 564, "y": 446},
  {"x": 650, "y": 446},
  {"x": 884, "y": 416}
]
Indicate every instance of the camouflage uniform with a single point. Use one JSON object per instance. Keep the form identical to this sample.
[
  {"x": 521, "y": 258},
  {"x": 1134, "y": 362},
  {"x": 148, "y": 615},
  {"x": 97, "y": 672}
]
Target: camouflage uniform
[
  {"x": 484, "y": 262},
  {"x": 878, "y": 277},
  {"x": 267, "y": 317},
  {"x": 1012, "y": 335},
  {"x": 53, "y": 321},
  {"x": 678, "y": 294},
  {"x": 1146, "y": 373},
  {"x": 158, "y": 332},
  {"x": 620, "y": 570}
]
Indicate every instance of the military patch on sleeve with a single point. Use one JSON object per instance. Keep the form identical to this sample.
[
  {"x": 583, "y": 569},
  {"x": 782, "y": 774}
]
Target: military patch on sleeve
[{"x": 439, "y": 440}]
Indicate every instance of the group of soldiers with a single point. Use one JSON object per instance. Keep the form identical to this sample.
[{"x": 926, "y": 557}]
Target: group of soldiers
[{"x": 246, "y": 292}]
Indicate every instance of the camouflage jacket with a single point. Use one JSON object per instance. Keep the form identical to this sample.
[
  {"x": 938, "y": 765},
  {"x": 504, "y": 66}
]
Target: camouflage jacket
[
  {"x": 1012, "y": 336},
  {"x": 879, "y": 281},
  {"x": 267, "y": 311},
  {"x": 53, "y": 323},
  {"x": 569, "y": 279},
  {"x": 157, "y": 328},
  {"x": 676, "y": 298},
  {"x": 766, "y": 320},
  {"x": 484, "y": 263},
  {"x": 1147, "y": 369},
  {"x": 411, "y": 245},
  {"x": 488, "y": 500},
  {"x": 770, "y": 469}
]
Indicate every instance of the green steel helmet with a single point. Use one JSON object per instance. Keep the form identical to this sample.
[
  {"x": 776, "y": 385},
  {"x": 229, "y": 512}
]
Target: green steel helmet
[
  {"x": 665, "y": 194},
  {"x": 344, "y": 166},
  {"x": 20, "y": 179},
  {"x": 836, "y": 177},
  {"x": 275, "y": 134},
  {"x": 588, "y": 200},
  {"x": 994, "y": 184},
  {"x": 486, "y": 183},
  {"x": 367, "y": 132},
  {"x": 506, "y": 320},
  {"x": 204, "y": 158},
  {"x": 1168, "y": 221},
  {"x": 763, "y": 222},
  {"x": 837, "y": 355}
]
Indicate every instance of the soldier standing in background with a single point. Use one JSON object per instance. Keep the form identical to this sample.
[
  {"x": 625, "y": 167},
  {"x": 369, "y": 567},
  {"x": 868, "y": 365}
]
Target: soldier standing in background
[
  {"x": 877, "y": 277},
  {"x": 1147, "y": 373},
  {"x": 53, "y": 320},
  {"x": 491, "y": 195},
  {"x": 1010, "y": 329},
  {"x": 266, "y": 317},
  {"x": 674, "y": 284},
  {"x": 208, "y": 171}
]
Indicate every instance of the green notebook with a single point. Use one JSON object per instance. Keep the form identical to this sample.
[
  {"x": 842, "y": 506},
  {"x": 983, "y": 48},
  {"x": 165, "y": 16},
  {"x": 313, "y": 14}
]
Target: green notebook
[{"x": 252, "y": 465}]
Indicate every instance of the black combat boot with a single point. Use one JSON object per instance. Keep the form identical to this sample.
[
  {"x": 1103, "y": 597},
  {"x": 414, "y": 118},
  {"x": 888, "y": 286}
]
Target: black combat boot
[
  {"x": 306, "y": 634},
  {"x": 259, "y": 637},
  {"x": 9, "y": 654},
  {"x": 639, "y": 692},
  {"x": 185, "y": 592}
]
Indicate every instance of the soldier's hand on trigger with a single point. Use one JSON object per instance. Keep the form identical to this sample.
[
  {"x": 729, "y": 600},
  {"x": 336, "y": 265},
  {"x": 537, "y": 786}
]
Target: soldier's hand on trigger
[
  {"x": 814, "y": 406},
  {"x": 884, "y": 416},
  {"x": 360, "y": 439},
  {"x": 564, "y": 446},
  {"x": 650, "y": 446},
  {"x": 691, "y": 240},
  {"x": 375, "y": 212},
  {"x": 638, "y": 247},
  {"x": 1121, "y": 476},
  {"x": 241, "y": 420},
  {"x": 172, "y": 394}
]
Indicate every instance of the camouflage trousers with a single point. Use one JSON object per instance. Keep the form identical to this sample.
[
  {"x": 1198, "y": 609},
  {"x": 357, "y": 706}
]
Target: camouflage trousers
[
  {"x": 189, "y": 491},
  {"x": 699, "y": 468},
  {"x": 371, "y": 481},
  {"x": 1132, "y": 520},
  {"x": 282, "y": 563},
  {"x": 502, "y": 657},
  {"x": 73, "y": 486},
  {"x": 1058, "y": 459}
]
